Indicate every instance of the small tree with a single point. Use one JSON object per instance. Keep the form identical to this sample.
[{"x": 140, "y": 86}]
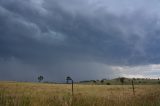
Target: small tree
[
  {"x": 108, "y": 83},
  {"x": 102, "y": 81},
  {"x": 40, "y": 78},
  {"x": 94, "y": 81},
  {"x": 67, "y": 79},
  {"x": 122, "y": 80}
]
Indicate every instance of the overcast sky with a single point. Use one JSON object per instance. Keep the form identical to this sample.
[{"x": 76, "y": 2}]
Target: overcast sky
[{"x": 84, "y": 39}]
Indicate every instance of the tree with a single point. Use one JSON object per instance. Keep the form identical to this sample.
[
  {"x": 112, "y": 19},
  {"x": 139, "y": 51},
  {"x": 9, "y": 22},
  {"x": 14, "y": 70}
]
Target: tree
[
  {"x": 40, "y": 78},
  {"x": 94, "y": 81},
  {"x": 102, "y": 81},
  {"x": 67, "y": 79},
  {"x": 108, "y": 83},
  {"x": 122, "y": 80},
  {"x": 133, "y": 87}
]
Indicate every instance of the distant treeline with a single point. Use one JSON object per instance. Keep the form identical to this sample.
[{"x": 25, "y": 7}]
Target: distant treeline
[{"x": 120, "y": 80}]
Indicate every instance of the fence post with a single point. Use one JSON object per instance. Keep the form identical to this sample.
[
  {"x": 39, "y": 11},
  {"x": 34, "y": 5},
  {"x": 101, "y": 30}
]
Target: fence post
[
  {"x": 72, "y": 87},
  {"x": 133, "y": 88}
]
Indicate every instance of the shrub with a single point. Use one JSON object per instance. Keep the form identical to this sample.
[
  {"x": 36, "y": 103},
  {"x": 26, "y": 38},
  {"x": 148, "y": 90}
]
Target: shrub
[{"x": 108, "y": 83}]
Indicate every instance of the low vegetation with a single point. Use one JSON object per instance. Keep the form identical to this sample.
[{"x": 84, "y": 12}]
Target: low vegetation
[
  {"x": 123, "y": 80},
  {"x": 42, "y": 94}
]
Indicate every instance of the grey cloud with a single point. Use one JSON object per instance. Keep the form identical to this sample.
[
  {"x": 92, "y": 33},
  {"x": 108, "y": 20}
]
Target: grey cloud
[{"x": 49, "y": 34}]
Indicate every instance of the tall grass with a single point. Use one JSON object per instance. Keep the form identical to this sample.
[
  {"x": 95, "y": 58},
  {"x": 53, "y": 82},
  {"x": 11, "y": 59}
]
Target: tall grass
[{"x": 34, "y": 94}]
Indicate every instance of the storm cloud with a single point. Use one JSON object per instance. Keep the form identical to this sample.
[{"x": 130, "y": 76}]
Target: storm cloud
[{"x": 88, "y": 39}]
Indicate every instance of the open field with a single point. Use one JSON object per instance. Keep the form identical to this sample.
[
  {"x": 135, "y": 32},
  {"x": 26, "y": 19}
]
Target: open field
[{"x": 40, "y": 94}]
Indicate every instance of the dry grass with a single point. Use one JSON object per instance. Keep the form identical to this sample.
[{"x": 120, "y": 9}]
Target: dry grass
[{"x": 38, "y": 94}]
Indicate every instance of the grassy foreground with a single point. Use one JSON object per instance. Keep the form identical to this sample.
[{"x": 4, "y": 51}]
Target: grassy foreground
[{"x": 38, "y": 94}]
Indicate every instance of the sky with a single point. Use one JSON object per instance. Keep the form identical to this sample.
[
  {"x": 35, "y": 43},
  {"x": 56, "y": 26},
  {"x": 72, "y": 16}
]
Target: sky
[{"x": 83, "y": 39}]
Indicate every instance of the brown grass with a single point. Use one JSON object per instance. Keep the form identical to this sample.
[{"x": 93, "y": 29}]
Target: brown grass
[{"x": 38, "y": 94}]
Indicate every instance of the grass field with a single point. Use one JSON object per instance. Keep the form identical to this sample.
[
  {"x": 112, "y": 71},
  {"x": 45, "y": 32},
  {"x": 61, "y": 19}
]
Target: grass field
[{"x": 40, "y": 94}]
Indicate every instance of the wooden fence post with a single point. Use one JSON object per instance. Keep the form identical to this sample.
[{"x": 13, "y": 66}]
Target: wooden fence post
[
  {"x": 72, "y": 87},
  {"x": 133, "y": 88}
]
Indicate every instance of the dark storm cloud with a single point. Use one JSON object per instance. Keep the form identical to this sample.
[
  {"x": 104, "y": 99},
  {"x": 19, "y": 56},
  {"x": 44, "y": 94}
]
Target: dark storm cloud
[{"x": 69, "y": 37}]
